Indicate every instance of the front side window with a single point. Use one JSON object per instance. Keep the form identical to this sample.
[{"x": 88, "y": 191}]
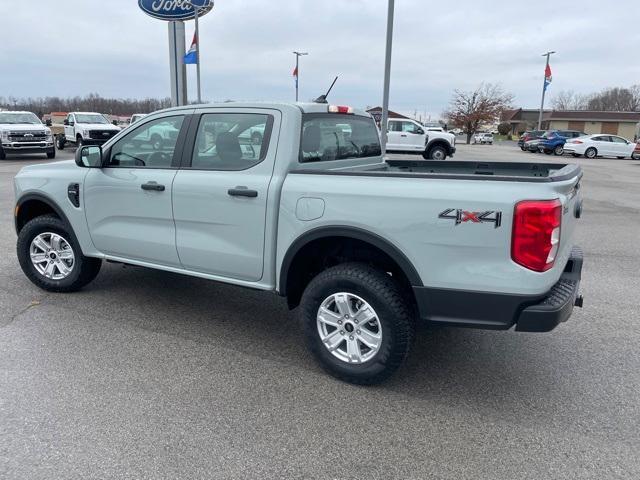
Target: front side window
[
  {"x": 618, "y": 140},
  {"x": 409, "y": 127},
  {"x": 328, "y": 136},
  {"x": 231, "y": 141},
  {"x": 151, "y": 145}
]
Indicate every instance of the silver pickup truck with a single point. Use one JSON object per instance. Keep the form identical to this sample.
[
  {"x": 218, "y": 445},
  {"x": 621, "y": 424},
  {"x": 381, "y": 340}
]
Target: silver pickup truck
[{"x": 365, "y": 247}]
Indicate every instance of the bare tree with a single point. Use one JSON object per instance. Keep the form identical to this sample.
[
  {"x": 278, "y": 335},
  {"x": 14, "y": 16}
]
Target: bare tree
[
  {"x": 569, "y": 100},
  {"x": 616, "y": 99},
  {"x": 92, "y": 102},
  {"x": 468, "y": 110}
]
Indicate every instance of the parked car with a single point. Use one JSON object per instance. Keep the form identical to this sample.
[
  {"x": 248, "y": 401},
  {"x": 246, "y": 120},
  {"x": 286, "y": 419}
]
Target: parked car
[
  {"x": 636, "y": 152},
  {"x": 23, "y": 133},
  {"x": 483, "y": 138},
  {"x": 318, "y": 218},
  {"x": 553, "y": 141},
  {"x": 592, "y": 146},
  {"x": 136, "y": 117},
  {"x": 457, "y": 131},
  {"x": 528, "y": 136},
  {"x": 409, "y": 136},
  {"x": 86, "y": 128}
]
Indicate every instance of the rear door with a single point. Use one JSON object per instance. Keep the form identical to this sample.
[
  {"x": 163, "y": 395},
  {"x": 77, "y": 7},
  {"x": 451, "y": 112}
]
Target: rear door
[
  {"x": 128, "y": 200},
  {"x": 220, "y": 194},
  {"x": 602, "y": 144},
  {"x": 395, "y": 135}
]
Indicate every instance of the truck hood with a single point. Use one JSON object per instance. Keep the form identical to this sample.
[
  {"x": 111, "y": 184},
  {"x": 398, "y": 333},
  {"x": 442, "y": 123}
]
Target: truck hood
[
  {"x": 25, "y": 127},
  {"x": 47, "y": 167}
]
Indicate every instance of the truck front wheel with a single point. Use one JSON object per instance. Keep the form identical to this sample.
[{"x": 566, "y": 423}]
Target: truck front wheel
[
  {"x": 437, "y": 152},
  {"x": 51, "y": 258},
  {"x": 357, "y": 323},
  {"x": 79, "y": 141},
  {"x": 60, "y": 141}
]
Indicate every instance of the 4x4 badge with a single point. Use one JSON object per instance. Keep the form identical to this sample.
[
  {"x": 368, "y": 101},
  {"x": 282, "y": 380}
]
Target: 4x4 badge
[{"x": 463, "y": 216}]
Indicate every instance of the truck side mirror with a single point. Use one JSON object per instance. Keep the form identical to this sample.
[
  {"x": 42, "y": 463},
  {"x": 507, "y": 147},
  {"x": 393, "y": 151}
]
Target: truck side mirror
[
  {"x": 66, "y": 121},
  {"x": 115, "y": 122},
  {"x": 89, "y": 156},
  {"x": 419, "y": 131},
  {"x": 48, "y": 122}
]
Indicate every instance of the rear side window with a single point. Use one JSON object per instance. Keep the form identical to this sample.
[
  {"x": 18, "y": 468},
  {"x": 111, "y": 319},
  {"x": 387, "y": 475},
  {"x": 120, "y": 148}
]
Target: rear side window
[
  {"x": 231, "y": 141},
  {"x": 327, "y": 136}
]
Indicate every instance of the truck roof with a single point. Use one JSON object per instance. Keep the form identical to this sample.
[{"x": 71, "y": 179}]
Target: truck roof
[
  {"x": 86, "y": 113},
  {"x": 304, "y": 107}
]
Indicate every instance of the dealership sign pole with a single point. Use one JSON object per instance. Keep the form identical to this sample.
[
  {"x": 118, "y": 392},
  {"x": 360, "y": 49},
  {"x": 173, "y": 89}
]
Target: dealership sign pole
[
  {"x": 175, "y": 12},
  {"x": 387, "y": 77}
]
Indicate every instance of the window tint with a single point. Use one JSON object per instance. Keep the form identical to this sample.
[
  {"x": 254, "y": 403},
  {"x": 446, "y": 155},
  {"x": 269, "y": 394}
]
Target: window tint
[
  {"x": 618, "y": 140},
  {"x": 395, "y": 126},
  {"x": 409, "y": 127},
  {"x": 327, "y": 136},
  {"x": 151, "y": 145},
  {"x": 601, "y": 139},
  {"x": 231, "y": 141}
]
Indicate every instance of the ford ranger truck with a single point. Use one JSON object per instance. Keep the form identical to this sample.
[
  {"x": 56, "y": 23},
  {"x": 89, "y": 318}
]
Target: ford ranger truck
[
  {"x": 365, "y": 248},
  {"x": 22, "y": 133},
  {"x": 86, "y": 128}
]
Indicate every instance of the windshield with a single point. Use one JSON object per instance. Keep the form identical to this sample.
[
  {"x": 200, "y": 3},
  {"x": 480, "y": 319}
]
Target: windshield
[
  {"x": 90, "y": 118},
  {"x": 10, "y": 118}
]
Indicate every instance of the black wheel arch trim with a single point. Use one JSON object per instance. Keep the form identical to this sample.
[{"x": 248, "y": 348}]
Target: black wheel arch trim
[
  {"x": 46, "y": 200},
  {"x": 439, "y": 141},
  {"x": 349, "y": 232}
]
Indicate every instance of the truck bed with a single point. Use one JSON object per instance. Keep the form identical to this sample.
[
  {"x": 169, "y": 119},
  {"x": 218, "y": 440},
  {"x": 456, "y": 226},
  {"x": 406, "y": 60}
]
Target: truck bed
[{"x": 461, "y": 170}]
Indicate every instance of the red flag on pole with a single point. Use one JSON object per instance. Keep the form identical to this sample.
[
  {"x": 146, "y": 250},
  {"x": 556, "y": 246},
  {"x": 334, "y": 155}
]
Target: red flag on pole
[{"x": 295, "y": 72}]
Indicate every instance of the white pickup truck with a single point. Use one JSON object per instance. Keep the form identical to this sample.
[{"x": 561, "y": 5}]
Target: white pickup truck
[
  {"x": 22, "y": 133},
  {"x": 409, "y": 136},
  {"x": 86, "y": 128},
  {"x": 365, "y": 247}
]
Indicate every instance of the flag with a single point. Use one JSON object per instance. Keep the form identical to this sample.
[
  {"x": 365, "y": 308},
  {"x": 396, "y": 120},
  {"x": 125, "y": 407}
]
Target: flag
[
  {"x": 547, "y": 77},
  {"x": 295, "y": 74},
  {"x": 192, "y": 54}
]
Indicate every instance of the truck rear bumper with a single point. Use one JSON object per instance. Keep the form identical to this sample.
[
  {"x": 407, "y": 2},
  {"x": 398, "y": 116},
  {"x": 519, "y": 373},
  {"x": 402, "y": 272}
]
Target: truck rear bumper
[{"x": 495, "y": 311}]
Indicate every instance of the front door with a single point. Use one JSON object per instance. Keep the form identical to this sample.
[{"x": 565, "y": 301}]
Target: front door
[
  {"x": 128, "y": 200},
  {"x": 220, "y": 195},
  {"x": 69, "y": 128},
  {"x": 621, "y": 146},
  {"x": 603, "y": 145}
]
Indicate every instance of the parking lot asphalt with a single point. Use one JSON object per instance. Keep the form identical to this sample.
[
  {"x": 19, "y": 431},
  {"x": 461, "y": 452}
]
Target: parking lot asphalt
[{"x": 146, "y": 374}]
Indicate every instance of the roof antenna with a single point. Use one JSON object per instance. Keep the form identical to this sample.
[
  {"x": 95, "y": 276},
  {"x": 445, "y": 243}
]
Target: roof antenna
[{"x": 323, "y": 98}]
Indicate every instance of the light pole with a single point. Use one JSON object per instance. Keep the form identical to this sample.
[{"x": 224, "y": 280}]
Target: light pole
[
  {"x": 544, "y": 87},
  {"x": 387, "y": 77},
  {"x": 298, "y": 55},
  {"x": 207, "y": 4}
]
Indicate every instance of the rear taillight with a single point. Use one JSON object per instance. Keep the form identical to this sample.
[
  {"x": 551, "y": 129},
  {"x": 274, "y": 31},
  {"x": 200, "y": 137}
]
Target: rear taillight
[
  {"x": 536, "y": 233},
  {"x": 577, "y": 141}
]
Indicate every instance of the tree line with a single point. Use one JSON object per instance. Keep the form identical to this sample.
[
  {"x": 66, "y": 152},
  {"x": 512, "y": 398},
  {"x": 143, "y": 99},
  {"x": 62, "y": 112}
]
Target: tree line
[
  {"x": 89, "y": 103},
  {"x": 615, "y": 99}
]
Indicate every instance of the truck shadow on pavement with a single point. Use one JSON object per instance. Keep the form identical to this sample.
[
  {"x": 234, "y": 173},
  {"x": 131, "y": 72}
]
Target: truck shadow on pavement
[{"x": 493, "y": 368}]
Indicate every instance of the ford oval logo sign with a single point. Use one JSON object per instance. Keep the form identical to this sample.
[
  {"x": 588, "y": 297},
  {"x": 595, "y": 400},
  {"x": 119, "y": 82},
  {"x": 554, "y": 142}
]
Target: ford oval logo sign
[{"x": 174, "y": 9}]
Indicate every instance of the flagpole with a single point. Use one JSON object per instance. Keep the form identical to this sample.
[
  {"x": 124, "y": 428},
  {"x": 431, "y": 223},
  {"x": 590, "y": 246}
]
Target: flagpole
[
  {"x": 297, "y": 54},
  {"x": 198, "y": 54},
  {"x": 387, "y": 76},
  {"x": 544, "y": 88}
]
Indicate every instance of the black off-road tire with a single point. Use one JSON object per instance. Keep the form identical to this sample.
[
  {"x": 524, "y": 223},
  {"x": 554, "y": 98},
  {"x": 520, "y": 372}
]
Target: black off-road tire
[
  {"x": 79, "y": 142},
  {"x": 60, "y": 141},
  {"x": 3, "y": 155},
  {"x": 384, "y": 295},
  {"x": 85, "y": 269},
  {"x": 51, "y": 154}
]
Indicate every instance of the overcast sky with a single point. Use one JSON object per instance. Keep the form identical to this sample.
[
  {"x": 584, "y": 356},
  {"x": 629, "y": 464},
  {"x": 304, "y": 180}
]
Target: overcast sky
[{"x": 76, "y": 47}]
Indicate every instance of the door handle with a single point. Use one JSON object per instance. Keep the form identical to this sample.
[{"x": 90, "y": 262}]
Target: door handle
[
  {"x": 403, "y": 135},
  {"x": 242, "y": 192},
  {"x": 152, "y": 186}
]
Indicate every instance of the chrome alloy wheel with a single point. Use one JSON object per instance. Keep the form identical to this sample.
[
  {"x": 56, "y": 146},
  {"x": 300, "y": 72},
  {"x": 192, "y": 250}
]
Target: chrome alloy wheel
[
  {"x": 349, "y": 328},
  {"x": 52, "y": 256}
]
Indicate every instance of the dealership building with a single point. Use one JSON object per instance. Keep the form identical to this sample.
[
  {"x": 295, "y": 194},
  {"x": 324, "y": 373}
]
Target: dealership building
[{"x": 624, "y": 124}]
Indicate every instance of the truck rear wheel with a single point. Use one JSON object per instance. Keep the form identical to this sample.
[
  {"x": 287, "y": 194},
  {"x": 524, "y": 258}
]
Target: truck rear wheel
[
  {"x": 357, "y": 323},
  {"x": 51, "y": 258}
]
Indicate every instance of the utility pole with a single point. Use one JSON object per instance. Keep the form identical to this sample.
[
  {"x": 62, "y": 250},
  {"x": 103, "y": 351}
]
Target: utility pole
[
  {"x": 387, "y": 77},
  {"x": 544, "y": 87},
  {"x": 298, "y": 55}
]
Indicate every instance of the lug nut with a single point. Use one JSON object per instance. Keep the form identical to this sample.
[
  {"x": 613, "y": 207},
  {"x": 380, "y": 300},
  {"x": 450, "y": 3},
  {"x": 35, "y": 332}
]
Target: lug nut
[
  {"x": 355, "y": 320},
  {"x": 346, "y": 316},
  {"x": 341, "y": 332},
  {"x": 358, "y": 332},
  {"x": 339, "y": 322},
  {"x": 350, "y": 337}
]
